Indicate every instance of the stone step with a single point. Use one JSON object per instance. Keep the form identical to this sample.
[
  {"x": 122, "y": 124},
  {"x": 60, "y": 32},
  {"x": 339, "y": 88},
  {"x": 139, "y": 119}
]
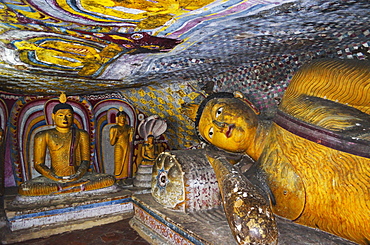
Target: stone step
[
  {"x": 144, "y": 169},
  {"x": 144, "y": 177},
  {"x": 142, "y": 184}
]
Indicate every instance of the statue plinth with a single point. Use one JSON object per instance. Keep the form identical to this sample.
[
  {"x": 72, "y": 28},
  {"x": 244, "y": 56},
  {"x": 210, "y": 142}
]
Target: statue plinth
[
  {"x": 43, "y": 216},
  {"x": 144, "y": 176},
  {"x": 159, "y": 225}
]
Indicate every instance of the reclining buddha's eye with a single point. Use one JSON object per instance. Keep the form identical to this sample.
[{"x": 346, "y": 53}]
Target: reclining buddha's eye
[
  {"x": 210, "y": 132},
  {"x": 219, "y": 111}
]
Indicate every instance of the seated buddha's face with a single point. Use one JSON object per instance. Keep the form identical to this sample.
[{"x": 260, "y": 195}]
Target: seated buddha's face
[
  {"x": 63, "y": 118},
  {"x": 228, "y": 123}
]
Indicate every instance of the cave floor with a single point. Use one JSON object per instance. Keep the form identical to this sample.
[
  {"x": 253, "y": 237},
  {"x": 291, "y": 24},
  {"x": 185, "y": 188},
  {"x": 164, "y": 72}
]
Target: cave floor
[{"x": 114, "y": 233}]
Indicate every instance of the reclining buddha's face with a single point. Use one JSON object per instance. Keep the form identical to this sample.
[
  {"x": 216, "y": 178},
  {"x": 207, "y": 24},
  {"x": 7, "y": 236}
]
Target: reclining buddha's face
[{"x": 228, "y": 123}]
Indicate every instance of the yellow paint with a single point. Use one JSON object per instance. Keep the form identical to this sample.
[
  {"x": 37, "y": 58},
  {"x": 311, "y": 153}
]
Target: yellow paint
[
  {"x": 151, "y": 103},
  {"x": 160, "y": 100},
  {"x": 33, "y": 15},
  {"x": 153, "y": 111},
  {"x": 146, "y": 14},
  {"x": 141, "y": 93},
  {"x": 143, "y": 101},
  {"x": 171, "y": 106},
  {"x": 161, "y": 108},
  {"x": 64, "y": 5},
  {"x": 181, "y": 93},
  {"x": 111, "y": 50},
  {"x": 354, "y": 84},
  {"x": 135, "y": 99},
  {"x": 152, "y": 95},
  {"x": 193, "y": 95},
  {"x": 62, "y": 53},
  {"x": 6, "y": 15},
  {"x": 187, "y": 137},
  {"x": 67, "y": 54},
  {"x": 238, "y": 203},
  {"x": 170, "y": 113}
]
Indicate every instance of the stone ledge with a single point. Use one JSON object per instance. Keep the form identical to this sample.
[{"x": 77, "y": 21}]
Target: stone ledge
[
  {"x": 45, "y": 218},
  {"x": 9, "y": 237},
  {"x": 159, "y": 225}
]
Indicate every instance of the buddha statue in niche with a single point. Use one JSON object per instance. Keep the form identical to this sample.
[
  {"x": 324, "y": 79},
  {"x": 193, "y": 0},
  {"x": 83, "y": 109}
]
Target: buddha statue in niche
[
  {"x": 148, "y": 151},
  {"x": 69, "y": 149},
  {"x": 312, "y": 160},
  {"x": 121, "y": 136},
  {"x": 151, "y": 128}
]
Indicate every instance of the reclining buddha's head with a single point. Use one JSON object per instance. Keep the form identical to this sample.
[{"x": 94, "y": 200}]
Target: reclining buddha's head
[{"x": 227, "y": 121}]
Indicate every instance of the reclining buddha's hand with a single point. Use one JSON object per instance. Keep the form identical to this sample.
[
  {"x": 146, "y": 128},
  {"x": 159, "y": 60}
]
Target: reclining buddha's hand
[{"x": 248, "y": 213}]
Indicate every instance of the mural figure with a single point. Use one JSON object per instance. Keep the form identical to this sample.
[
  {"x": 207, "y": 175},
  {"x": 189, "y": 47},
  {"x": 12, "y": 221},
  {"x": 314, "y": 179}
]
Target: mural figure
[
  {"x": 312, "y": 160},
  {"x": 69, "y": 150},
  {"x": 121, "y": 136}
]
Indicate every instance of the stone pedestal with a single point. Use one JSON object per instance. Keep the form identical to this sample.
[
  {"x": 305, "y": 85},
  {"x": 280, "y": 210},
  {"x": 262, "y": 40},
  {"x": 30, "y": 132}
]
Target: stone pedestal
[
  {"x": 36, "y": 217},
  {"x": 143, "y": 176},
  {"x": 159, "y": 225}
]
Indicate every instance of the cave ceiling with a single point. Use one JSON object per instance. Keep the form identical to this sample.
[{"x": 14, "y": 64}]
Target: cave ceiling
[{"x": 98, "y": 46}]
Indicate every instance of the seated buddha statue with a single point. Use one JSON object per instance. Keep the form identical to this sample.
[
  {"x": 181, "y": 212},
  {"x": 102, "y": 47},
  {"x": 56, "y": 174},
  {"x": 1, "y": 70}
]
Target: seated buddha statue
[
  {"x": 69, "y": 149},
  {"x": 148, "y": 151}
]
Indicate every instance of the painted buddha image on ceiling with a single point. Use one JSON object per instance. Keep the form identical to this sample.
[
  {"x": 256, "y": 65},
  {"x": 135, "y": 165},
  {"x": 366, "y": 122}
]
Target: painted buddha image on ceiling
[{"x": 85, "y": 38}]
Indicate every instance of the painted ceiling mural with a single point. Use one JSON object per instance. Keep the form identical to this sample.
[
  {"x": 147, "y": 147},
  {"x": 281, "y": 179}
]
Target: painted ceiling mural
[
  {"x": 90, "y": 46},
  {"x": 103, "y": 43},
  {"x": 160, "y": 54}
]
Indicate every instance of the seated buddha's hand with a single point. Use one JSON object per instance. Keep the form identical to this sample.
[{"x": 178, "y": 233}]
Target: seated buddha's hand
[
  {"x": 69, "y": 178},
  {"x": 53, "y": 176}
]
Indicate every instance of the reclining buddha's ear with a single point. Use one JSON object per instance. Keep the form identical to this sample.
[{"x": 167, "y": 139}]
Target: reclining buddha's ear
[
  {"x": 190, "y": 110},
  {"x": 239, "y": 95}
]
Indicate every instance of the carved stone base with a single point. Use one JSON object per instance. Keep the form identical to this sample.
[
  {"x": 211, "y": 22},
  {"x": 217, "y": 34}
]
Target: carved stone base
[
  {"x": 43, "y": 218},
  {"x": 144, "y": 176},
  {"x": 159, "y": 225}
]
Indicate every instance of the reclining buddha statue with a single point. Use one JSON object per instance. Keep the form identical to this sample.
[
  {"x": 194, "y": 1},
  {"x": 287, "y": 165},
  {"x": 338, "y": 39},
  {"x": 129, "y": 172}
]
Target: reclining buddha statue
[
  {"x": 312, "y": 161},
  {"x": 69, "y": 149}
]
